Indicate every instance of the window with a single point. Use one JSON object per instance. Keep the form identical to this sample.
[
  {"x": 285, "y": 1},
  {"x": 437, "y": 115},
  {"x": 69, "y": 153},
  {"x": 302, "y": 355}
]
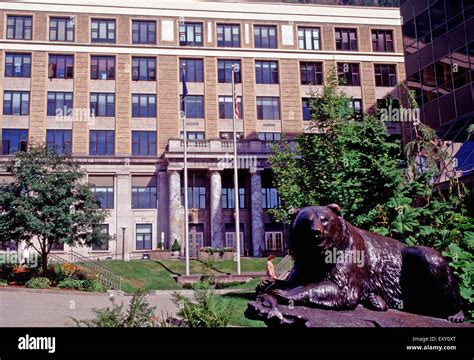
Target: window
[
  {"x": 194, "y": 69},
  {"x": 103, "y": 104},
  {"x": 19, "y": 27},
  {"x": 143, "y": 32},
  {"x": 385, "y": 75},
  {"x": 190, "y": 34},
  {"x": 61, "y": 66},
  {"x": 268, "y": 108},
  {"x": 308, "y": 38},
  {"x": 143, "y": 69},
  {"x": 104, "y": 196},
  {"x": 17, "y": 65},
  {"x": 311, "y": 73},
  {"x": 194, "y": 106},
  {"x": 224, "y": 70},
  {"x": 101, "y": 142},
  {"x": 14, "y": 140},
  {"x": 348, "y": 74},
  {"x": 266, "y": 72},
  {"x": 228, "y": 198},
  {"x": 144, "y": 192},
  {"x": 346, "y": 39},
  {"x": 102, "y": 67},
  {"x": 196, "y": 191},
  {"x": 228, "y": 35},
  {"x": 274, "y": 241},
  {"x": 144, "y": 143},
  {"x": 193, "y": 135},
  {"x": 356, "y": 104},
  {"x": 104, "y": 246},
  {"x": 230, "y": 236},
  {"x": 59, "y": 141},
  {"x": 270, "y": 198},
  {"x": 103, "y": 30},
  {"x": 382, "y": 40},
  {"x": 226, "y": 107},
  {"x": 269, "y": 136},
  {"x": 144, "y": 237},
  {"x": 143, "y": 105},
  {"x": 306, "y": 103},
  {"x": 61, "y": 29},
  {"x": 265, "y": 37},
  {"x": 59, "y": 103},
  {"x": 16, "y": 103}
]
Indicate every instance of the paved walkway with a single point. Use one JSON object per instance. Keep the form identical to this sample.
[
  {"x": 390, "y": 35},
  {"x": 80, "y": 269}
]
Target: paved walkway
[{"x": 20, "y": 308}]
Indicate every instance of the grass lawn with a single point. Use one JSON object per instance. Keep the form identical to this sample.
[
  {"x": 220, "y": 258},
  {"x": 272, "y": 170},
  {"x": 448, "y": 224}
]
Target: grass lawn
[
  {"x": 239, "y": 301},
  {"x": 157, "y": 275}
]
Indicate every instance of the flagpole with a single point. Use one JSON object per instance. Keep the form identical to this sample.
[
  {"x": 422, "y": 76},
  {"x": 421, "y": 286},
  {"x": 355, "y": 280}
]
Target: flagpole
[
  {"x": 236, "y": 173},
  {"x": 185, "y": 171}
]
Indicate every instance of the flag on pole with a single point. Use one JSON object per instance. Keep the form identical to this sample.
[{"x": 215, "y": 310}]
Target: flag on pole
[
  {"x": 236, "y": 102},
  {"x": 185, "y": 88}
]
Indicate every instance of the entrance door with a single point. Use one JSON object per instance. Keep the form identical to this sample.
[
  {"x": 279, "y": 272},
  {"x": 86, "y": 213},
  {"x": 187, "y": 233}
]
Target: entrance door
[{"x": 196, "y": 239}]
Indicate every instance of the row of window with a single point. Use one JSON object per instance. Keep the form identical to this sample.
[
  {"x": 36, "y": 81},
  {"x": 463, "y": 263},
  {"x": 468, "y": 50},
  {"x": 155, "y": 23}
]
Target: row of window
[
  {"x": 191, "y": 34},
  {"x": 144, "y": 68},
  {"x": 144, "y": 238}
]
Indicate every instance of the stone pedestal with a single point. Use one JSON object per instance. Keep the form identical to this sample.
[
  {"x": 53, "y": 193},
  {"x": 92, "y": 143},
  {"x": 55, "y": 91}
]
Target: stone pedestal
[
  {"x": 175, "y": 208},
  {"x": 216, "y": 210},
  {"x": 258, "y": 229}
]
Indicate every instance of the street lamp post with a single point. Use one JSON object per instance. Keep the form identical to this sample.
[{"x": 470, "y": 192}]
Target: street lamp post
[{"x": 123, "y": 242}]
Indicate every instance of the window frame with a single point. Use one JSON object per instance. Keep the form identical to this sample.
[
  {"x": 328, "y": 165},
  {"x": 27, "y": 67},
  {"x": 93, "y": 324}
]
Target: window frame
[
  {"x": 95, "y": 109},
  {"x": 67, "y": 60},
  {"x": 353, "y": 45},
  {"x": 150, "y": 144},
  {"x": 151, "y": 196},
  {"x": 144, "y": 241},
  {"x": 353, "y": 75},
  {"x": 151, "y": 109},
  {"x": 227, "y": 198},
  {"x": 384, "y": 69},
  {"x": 198, "y": 109},
  {"x": 376, "y": 42},
  {"x": 107, "y": 22},
  {"x": 304, "y": 38},
  {"x": 69, "y": 28},
  {"x": 271, "y": 40},
  {"x": 226, "y": 73},
  {"x": 108, "y": 145},
  {"x": 261, "y": 113},
  {"x": 25, "y": 68},
  {"x": 149, "y": 33},
  {"x": 138, "y": 68},
  {"x": 25, "y": 97},
  {"x": 233, "y": 43},
  {"x": 24, "y": 27},
  {"x": 68, "y": 103},
  {"x": 267, "y": 75},
  {"x": 102, "y": 247},
  {"x": 108, "y": 196},
  {"x": 21, "y": 135},
  {"x": 197, "y": 69},
  {"x": 229, "y": 113},
  {"x": 305, "y": 68},
  {"x": 184, "y": 34},
  {"x": 110, "y": 67}
]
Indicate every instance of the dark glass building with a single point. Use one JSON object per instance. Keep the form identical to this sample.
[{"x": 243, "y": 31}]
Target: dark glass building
[{"x": 439, "y": 60}]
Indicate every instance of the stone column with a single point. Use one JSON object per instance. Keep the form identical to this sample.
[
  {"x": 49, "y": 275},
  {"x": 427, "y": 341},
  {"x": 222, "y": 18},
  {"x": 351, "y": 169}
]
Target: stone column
[
  {"x": 258, "y": 230},
  {"x": 125, "y": 242},
  {"x": 216, "y": 210},
  {"x": 175, "y": 208}
]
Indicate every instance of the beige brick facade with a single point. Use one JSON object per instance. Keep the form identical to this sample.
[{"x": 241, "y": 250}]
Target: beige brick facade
[{"x": 205, "y": 156}]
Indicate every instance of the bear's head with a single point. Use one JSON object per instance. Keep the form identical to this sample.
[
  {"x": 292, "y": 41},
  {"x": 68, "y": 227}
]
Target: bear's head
[{"x": 316, "y": 229}]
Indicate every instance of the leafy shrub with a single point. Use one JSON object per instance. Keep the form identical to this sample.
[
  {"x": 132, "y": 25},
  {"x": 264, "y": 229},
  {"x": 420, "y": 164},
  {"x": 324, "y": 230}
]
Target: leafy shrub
[
  {"x": 207, "y": 310},
  {"x": 3, "y": 283},
  {"x": 214, "y": 250},
  {"x": 6, "y": 271},
  {"x": 93, "y": 286},
  {"x": 70, "y": 283},
  {"x": 175, "y": 246},
  {"x": 59, "y": 272},
  {"x": 223, "y": 285},
  {"x": 138, "y": 314},
  {"x": 38, "y": 283}
]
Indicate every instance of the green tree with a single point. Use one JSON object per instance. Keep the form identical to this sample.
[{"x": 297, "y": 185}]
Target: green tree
[
  {"x": 48, "y": 203},
  {"x": 346, "y": 159}
]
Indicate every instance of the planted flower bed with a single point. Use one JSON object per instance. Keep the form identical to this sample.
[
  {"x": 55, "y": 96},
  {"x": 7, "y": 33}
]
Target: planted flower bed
[
  {"x": 59, "y": 276},
  {"x": 226, "y": 253}
]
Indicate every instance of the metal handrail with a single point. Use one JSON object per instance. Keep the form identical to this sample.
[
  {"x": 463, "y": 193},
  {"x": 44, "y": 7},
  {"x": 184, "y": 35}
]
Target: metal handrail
[{"x": 108, "y": 278}]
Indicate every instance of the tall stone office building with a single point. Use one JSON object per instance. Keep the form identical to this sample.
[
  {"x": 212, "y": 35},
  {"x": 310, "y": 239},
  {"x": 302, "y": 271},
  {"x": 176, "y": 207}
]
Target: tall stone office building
[{"x": 119, "y": 61}]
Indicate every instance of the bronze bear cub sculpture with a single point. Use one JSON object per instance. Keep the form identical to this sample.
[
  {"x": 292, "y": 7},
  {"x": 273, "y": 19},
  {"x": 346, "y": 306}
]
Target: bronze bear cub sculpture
[{"x": 338, "y": 266}]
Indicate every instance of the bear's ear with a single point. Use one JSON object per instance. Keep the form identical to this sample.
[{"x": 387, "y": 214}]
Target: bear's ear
[{"x": 336, "y": 209}]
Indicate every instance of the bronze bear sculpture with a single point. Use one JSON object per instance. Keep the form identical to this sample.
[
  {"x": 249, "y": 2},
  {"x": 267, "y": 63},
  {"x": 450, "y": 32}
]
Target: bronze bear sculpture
[{"x": 369, "y": 269}]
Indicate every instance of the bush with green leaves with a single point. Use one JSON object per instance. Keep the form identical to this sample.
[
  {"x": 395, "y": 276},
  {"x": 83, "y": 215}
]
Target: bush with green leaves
[
  {"x": 71, "y": 283},
  {"x": 138, "y": 314},
  {"x": 6, "y": 271},
  {"x": 3, "y": 283},
  {"x": 93, "y": 286},
  {"x": 175, "y": 246},
  {"x": 38, "y": 283},
  {"x": 208, "y": 310}
]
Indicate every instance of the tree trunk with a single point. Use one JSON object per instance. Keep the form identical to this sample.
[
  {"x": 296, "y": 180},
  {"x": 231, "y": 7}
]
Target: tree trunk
[{"x": 44, "y": 262}]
